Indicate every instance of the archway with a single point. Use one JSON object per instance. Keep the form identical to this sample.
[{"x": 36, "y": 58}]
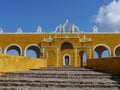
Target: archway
[
  {"x": 66, "y": 60},
  {"x": 83, "y": 58},
  {"x": 66, "y": 45},
  {"x": 102, "y": 51},
  {"x": 13, "y": 49},
  {"x": 32, "y": 50},
  {"x": 117, "y": 50}
]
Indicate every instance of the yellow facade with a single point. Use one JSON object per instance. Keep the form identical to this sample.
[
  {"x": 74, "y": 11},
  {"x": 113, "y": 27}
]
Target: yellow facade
[{"x": 62, "y": 48}]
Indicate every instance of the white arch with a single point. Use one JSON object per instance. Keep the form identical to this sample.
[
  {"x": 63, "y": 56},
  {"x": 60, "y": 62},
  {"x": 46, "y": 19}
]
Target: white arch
[
  {"x": 104, "y": 46},
  {"x": 64, "y": 59},
  {"x": 30, "y": 46},
  {"x": 5, "y": 51},
  {"x": 115, "y": 49}
]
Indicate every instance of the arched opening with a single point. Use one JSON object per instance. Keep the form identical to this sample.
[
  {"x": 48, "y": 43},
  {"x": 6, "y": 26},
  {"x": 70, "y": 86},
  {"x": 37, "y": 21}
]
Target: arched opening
[
  {"x": 102, "y": 51},
  {"x": 83, "y": 58},
  {"x": 51, "y": 61},
  {"x": 32, "y": 50},
  {"x": 66, "y": 60},
  {"x": 117, "y": 51},
  {"x": 13, "y": 49},
  {"x": 66, "y": 45}
]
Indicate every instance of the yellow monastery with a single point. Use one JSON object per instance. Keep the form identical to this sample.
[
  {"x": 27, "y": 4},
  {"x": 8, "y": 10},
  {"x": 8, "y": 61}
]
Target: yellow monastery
[{"x": 66, "y": 46}]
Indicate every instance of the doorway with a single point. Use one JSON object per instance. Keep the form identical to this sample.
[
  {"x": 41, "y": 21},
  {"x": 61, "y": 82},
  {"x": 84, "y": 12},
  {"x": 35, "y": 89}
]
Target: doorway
[
  {"x": 66, "y": 60},
  {"x": 83, "y": 58}
]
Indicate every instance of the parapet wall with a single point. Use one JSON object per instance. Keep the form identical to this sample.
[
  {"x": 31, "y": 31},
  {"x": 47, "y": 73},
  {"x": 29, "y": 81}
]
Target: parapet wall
[
  {"x": 9, "y": 63},
  {"x": 111, "y": 64}
]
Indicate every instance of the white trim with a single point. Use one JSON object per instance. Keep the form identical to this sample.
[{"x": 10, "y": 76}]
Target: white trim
[
  {"x": 6, "y": 48},
  {"x": 104, "y": 46},
  {"x": 61, "y": 33},
  {"x": 30, "y": 46},
  {"x": 115, "y": 49},
  {"x": 64, "y": 59}
]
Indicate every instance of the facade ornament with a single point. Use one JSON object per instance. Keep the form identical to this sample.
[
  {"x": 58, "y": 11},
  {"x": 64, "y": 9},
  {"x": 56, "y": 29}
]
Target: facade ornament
[
  {"x": 19, "y": 30},
  {"x": 61, "y": 28},
  {"x": 49, "y": 39},
  {"x": 95, "y": 29},
  {"x": 39, "y": 29},
  {"x": 84, "y": 39},
  {"x": 1, "y": 31}
]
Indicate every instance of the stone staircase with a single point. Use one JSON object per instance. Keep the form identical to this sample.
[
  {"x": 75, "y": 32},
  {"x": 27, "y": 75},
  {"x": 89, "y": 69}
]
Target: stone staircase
[{"x": 65, "y": 78}]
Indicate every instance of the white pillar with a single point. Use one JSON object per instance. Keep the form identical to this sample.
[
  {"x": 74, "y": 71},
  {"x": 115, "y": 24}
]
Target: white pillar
[{"x": 90, "y": 51}]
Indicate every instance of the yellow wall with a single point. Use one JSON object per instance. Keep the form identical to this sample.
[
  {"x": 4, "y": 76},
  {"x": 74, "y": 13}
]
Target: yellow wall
[
  {"x": 111, "y": 64},
  {"x": 23, "y": 40},
  {"x": 9, "y": 63}
]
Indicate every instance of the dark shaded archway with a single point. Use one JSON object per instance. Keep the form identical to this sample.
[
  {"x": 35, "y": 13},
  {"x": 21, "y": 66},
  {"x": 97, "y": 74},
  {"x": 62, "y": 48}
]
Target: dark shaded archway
[
  {"x": 66, "y": 45},
  {"x": 32, "y": 49},
  {"x": 102, "y": 51},
  {"x": 117, "y": 51},
  {"x": 13, "y": 49}
]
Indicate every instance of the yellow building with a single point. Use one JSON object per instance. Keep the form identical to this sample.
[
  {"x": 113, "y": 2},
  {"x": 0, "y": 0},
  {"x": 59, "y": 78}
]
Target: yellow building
[{"x": 66, "y": 46}]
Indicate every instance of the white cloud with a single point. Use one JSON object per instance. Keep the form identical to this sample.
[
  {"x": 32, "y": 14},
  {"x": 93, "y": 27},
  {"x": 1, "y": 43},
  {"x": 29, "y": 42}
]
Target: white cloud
[{"x": 109, "y": 16}]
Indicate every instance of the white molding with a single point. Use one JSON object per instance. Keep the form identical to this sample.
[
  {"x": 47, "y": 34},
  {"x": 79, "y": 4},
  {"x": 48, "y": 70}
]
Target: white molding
[
  {"x": 60, "y": 47},
  {"x": 104, "y": 46},
  {"x": 30, "y": 46},
  {"x": 62, "y": 33},
  {"x": 64, "y": 59},
  {"x": 6, "y": 48}
]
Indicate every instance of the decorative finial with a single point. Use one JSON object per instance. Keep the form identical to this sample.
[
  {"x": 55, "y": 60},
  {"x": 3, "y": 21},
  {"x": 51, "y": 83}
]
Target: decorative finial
[
  {"x": 39, "y": 29},
  {"x": 1, "y": 31},
  {"x": 19, "y": 30},
  {"x": 95, "y": 29},
  {"x": 116, "y": 30},
  {"x": 84, "y": 37},
  {"x": 67, "y": 21},
  {"x": 49, "y": 37}
]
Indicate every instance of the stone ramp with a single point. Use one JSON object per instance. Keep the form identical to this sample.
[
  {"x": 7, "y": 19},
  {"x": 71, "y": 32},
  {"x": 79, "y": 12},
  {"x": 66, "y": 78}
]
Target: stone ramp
[{"x": 60, "y": 79}]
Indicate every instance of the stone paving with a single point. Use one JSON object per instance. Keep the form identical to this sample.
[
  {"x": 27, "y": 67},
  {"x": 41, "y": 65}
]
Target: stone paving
[{"x": 65, "y": 78}]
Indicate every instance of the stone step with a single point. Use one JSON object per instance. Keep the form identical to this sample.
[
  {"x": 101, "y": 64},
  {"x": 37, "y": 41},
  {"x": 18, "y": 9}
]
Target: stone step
[
  {"x": 60, "y": 78},
  {"x": 56, "y": 88},
  {"x": 105, "y": 81},
  {"x": 58, "y": 84},
  {"x": 62, "y": 69}
]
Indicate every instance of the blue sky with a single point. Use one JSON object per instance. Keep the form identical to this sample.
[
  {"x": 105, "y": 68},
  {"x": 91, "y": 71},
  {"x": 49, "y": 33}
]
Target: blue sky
[{"x": 29, "y": 14}]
